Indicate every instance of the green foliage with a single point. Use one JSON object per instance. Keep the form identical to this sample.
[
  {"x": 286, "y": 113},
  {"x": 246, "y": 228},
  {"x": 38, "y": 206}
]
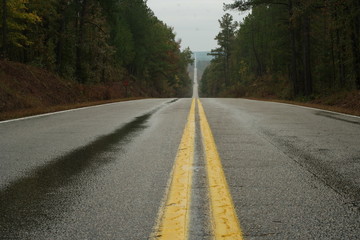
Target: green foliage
[
  {"x": 19, "y": 18},
  {"x": 98, "y": 41},
  {"x": 291, "y": 49},
  {"x": 218, "y": 76}
]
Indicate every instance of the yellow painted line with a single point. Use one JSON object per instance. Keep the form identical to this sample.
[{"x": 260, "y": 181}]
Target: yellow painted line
[
  {"x": 175, "y": 217},
  {"x": 225, "y": 222}
]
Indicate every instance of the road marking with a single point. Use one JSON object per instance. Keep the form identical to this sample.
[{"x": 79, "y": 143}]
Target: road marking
[
  {"x": 224, "y": 220},
  {"x": 62, "y": 111},
  {"x": 58, "y": 112},
  {"x": 309, "y": 108},
  {"x": 175, "y": 213}
]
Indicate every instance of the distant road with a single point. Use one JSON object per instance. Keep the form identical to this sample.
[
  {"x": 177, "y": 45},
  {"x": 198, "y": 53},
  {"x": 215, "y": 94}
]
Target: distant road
[{"x": 107, "y": 172}]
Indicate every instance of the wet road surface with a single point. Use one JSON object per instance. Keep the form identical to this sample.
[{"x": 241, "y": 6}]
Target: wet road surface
[
  {"x": 104, "y": 172},
  {"x": 294, "y": 172}
]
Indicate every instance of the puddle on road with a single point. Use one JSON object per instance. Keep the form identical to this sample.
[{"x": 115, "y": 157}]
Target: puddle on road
[
  {"x": 172, "y": 101},
  {"x": 47, "y": 192}
]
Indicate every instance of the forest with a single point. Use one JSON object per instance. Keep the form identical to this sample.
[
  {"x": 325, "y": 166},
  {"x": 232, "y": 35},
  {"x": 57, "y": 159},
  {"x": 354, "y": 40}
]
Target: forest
[
  {"x": 95, "y": 42},
  {"x": 289, "y": 49}
]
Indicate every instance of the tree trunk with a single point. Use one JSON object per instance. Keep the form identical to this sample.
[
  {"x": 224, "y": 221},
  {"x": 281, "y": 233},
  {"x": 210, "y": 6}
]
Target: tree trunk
[
  {"x": 60, "y": 43},
  {"x": 60, "y": 48},
  {"x": 333, "y": 79},
  {"x": 308, "y": 88},
  {"x": 259, "y": 69},
  {"x": 226, "y": 70},
  {"x": 227, "y": 66},
  {"x": 82, "y": 5},
  {"x": 4, "y": 29},
  {"x": 340, "y": 55},
  {"x": 355, "y": 44},
  {"x": 293, "y": 69}
]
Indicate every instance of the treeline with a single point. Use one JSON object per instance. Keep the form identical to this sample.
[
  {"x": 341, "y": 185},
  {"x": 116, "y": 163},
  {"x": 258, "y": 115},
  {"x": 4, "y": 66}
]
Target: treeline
[
  {"x": 287, "y": 49},
  {"x": 95, "y": 41}
]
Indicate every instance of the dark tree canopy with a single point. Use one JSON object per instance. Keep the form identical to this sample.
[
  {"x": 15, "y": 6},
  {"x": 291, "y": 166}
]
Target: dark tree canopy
[
  {"x": 291, "y": 48},
  {"x": 94, "y": 41}
]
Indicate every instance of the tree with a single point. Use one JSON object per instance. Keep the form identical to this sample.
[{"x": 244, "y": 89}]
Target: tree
[
  {"x": 16, "y": 19},
  {"x": 4, "y": 28},
  {"x": 298, "y": 25},
  {"x": 94, "y": 41},
  {"x": 225, "y": 39},
  {"x": 312, "y": 48}
]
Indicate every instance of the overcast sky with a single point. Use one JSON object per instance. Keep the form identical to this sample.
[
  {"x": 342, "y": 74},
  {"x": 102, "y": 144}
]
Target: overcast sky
[{"x": 194, "y": 21}]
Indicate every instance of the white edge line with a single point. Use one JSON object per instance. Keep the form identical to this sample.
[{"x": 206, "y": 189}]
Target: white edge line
[
  {"x": 63, "y": 111},
  {"x": 312, "y": 108}
]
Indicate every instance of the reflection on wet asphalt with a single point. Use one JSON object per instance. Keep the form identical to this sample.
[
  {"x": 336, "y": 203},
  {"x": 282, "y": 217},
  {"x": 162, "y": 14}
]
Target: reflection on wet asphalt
[
  {"x": 42, "y": 195},
  {"x": 292, "y": 173}
]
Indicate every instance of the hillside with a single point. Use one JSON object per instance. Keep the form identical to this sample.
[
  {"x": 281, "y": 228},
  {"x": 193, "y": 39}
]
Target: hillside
[{"x": 25, "y": 90}]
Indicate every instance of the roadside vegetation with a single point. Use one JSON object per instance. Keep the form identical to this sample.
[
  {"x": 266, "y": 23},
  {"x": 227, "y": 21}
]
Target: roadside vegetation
[
  {"x": 307, "y": 51},
  {"x": 27, "y": 90},
  {"x": 106, "y": 46}
]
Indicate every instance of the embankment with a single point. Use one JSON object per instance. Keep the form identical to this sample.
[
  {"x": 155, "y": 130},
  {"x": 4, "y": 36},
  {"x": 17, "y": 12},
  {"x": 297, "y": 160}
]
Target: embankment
[{"x": 27, "y": 90}]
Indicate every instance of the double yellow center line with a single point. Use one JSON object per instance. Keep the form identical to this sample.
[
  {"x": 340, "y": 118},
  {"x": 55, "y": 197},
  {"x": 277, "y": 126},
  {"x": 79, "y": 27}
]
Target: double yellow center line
[{"x": 175, "y": 214}]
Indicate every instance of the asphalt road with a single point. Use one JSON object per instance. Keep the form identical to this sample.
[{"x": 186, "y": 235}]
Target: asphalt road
[
  {"x": 104, "y": 172},
  {"x": 294, "y": 173}
]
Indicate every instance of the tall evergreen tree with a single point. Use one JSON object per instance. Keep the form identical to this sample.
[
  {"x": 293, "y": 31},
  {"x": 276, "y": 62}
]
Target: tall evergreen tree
[{"x": 93, "y": 41}]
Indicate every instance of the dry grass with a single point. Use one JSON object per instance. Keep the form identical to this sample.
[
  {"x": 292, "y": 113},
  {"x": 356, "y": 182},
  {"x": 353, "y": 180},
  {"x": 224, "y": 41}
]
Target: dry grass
[
  {"x": 277, "y": 89},
  {"x": 27, "y": 90}
]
